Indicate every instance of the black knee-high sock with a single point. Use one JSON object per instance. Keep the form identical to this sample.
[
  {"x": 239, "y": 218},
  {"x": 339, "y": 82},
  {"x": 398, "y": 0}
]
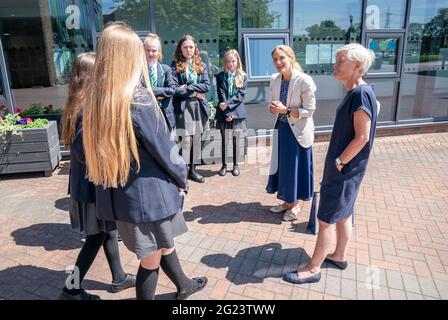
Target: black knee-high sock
[
  {"x": 112, "y": 252},
  {"x": 146, "y": 283},
  {"x": 86, "y": 257},
  {"x": 234, "y": 151},
  {"x": 170, "y": 264},
  {"x": 223, "y": 146}
]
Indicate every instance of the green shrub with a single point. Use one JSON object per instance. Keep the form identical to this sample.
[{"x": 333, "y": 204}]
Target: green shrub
[{"x": 38, "y": 109}]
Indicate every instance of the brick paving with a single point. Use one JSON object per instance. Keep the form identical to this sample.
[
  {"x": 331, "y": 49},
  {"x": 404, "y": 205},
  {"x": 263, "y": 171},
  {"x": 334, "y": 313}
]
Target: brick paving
[{"x": 399, "y": 248}]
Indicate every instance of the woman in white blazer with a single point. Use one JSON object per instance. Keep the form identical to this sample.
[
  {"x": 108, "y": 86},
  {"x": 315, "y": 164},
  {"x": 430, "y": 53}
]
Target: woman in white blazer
[{"x": 292, "y": 99}]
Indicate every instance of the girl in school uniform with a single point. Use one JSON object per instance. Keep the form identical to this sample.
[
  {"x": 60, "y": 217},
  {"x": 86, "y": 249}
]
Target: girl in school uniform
[
  {"x": 133, "y": 160},
  {"x": 97, "y": 233},
  {"x": 231, "y": 113},
  {"x": 190, "y": 104},
  {"x": 161, "y": 78}
]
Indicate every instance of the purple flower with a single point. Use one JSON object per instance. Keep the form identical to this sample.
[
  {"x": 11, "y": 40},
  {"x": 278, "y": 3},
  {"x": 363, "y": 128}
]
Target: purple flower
[{"x": 21, "y": 121}]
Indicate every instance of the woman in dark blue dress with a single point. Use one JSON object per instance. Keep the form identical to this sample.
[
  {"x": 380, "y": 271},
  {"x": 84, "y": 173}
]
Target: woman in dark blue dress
[{"x": 346, "y": 161}]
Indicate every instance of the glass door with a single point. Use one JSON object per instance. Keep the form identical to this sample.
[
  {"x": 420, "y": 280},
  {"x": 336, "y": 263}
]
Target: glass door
[{"x": 6, "y": 103}]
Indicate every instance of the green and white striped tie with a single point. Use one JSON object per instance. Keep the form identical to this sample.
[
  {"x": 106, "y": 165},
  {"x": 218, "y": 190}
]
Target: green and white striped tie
[
  {"x": 192, "y": 75},
  {"x": 232, "y": 86},
  {"x": 153, "y": 76}
]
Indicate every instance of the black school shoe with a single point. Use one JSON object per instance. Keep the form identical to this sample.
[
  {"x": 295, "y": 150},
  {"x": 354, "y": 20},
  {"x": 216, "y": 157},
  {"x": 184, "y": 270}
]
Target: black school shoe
[
  {"x": 194, "y": 175},
  {"x": 236, "y": 171},
  {"x": 200, "y": 284},
  {"x": 128, "y": 282},
  {"x": 223, "y": 170},
  {"x": 83, "y": 295}
]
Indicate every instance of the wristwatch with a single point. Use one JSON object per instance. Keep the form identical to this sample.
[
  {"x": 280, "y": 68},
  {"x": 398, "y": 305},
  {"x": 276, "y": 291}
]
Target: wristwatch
[
  {"x": 339, "y": 162},
  {"x": 288, "y": 113}
]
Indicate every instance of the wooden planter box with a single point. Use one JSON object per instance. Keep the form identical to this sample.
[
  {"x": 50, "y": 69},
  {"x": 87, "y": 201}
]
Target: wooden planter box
[
  {"x": 35, "y": 150},
  {"x": 49, "y": 117}
]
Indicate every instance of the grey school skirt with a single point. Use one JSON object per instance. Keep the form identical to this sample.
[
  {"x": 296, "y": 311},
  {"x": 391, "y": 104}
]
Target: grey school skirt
[
  {"x": 83, "y": 218},
  {"x": 193, "y": 120},
  {"x": 145, "y": 238}
]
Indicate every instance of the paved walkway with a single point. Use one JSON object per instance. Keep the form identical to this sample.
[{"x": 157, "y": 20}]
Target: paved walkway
[{"x": 399, "y": 248}]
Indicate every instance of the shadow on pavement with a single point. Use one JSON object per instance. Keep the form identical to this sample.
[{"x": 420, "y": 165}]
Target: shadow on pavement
[
  {"x": 21, "y": 176},
  {"x": 233, "y": 212},
  {"x": 207, "y": 173},
  {"x": 51, "y": 236},
  {"x": 254, "y": 264},
  {"x": 62, "y": 204},
  {"x": 28, "y": 282}
]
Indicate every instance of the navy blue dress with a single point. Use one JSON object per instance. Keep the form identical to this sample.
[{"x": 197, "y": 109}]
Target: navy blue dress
[
  {"x": 294, "y": 177},
  {"x": 339, "y": 189}
]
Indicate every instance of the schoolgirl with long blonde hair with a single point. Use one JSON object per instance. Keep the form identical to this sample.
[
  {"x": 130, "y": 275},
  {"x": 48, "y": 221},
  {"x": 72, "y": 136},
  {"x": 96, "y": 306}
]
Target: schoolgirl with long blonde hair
[
  {"x": 134, "y": 162},
  {"x": 97, "y": 233},
  {"x": 231, "y": 113}
]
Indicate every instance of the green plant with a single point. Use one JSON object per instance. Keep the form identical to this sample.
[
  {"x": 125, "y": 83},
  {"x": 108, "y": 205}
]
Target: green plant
[
  {"x": 37, "y": 109},
  {"x": 13, "y": 124},
  {"x": 3, "y": 110},
  {"x": 212, "y": 106}
]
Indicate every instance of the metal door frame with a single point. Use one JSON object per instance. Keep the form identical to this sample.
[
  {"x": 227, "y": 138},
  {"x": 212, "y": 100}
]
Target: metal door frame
[{"x": 5, "y": 80}]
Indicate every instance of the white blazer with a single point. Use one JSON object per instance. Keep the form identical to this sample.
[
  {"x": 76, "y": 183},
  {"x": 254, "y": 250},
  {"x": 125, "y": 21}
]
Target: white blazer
[{"x": 300, "y": 96}]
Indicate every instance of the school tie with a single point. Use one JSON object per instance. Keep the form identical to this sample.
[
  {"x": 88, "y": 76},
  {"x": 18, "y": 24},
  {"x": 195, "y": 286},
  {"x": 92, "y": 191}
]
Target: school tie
[
  {"x": 232, "y": 87},
  {"x": 153, "y": 76},
  {"x": 192, "y": 75}
]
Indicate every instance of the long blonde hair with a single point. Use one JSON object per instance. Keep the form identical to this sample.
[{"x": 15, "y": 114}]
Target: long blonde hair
[
  {"x": 109, "y": 141},
  {"x": 239, "y": 72},
  {"x": 290, "y": 54},
  {"x": 77, "y": 87}
]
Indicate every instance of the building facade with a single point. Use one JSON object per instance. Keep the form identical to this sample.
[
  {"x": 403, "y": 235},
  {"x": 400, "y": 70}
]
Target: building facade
[{"x": 40, "y": 38}]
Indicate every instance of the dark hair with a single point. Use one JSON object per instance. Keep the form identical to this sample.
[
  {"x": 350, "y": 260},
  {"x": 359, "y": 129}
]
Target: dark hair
[
  {"x": 181, "y": 62},
  {"x": 82, "y": 71}
]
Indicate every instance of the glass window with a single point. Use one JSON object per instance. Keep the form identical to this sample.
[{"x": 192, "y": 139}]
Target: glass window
[
  {"x": 385, "y": 14},
  {"x": 386, "y": 53},
  {"x": 318, "y": 34},
  {"x": 41, "y": 40},
  {"x": 267, "y": 14},
  {"x": 386, "y": 91},
  {"x": 136, "y": 13},
  {"x": 212, "y": 23},
  {"x": 424, "y": 91},
  {"x": 258, "y": 48}
]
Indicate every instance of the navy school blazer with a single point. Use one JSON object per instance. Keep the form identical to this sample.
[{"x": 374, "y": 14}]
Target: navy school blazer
[
  {"x": 235, "y": 104},
  {"x": 166, "y": 87},
  {"x": 181, "y": 95},
  {"x": 150, "y": 194},
  {"x": 80, "y": 188}
]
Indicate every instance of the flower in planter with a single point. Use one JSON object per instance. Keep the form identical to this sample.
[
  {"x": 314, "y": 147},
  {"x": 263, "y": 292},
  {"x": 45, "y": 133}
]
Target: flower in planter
[{"x": 13, "y": 124}]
